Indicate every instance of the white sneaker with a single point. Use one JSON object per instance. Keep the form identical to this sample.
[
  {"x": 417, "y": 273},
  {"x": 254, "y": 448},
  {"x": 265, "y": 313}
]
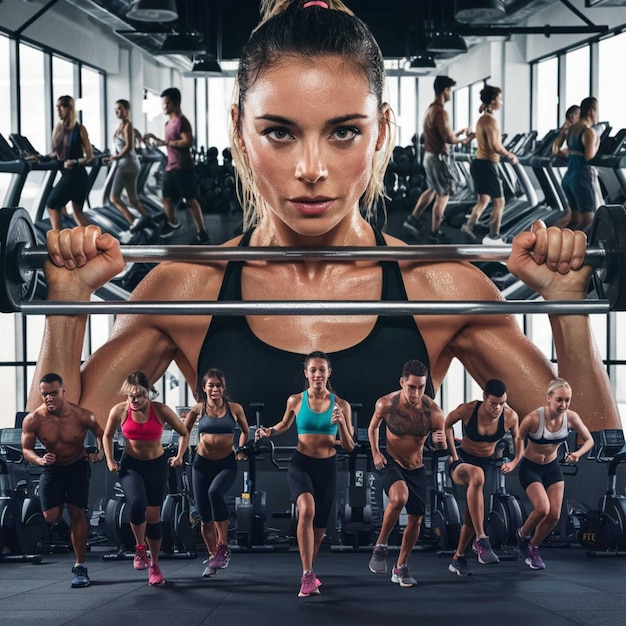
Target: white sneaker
[{"x": 493, "y": 241}]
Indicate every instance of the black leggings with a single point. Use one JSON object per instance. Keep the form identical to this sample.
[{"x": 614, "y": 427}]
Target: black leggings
[
  {"x": 211, "y": 480},
  {"x": 144, "y": 484},
  {"x": 317, "y": 477}
]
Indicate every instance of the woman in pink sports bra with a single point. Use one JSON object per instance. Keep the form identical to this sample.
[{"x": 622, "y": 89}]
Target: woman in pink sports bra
[{"x": 143, "y": 468}]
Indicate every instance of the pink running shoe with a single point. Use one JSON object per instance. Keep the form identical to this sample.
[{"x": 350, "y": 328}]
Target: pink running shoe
[{"x": 141, "y": 557}]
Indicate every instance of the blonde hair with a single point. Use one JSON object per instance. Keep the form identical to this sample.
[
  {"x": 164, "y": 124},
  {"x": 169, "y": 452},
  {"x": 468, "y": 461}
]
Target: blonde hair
[
  {"x": 557, "y": 383},
  {"x": 287, "y": 29}
]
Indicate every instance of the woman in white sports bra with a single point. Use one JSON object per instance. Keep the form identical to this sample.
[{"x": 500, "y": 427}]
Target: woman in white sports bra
[{"x": 540, "y": 435}]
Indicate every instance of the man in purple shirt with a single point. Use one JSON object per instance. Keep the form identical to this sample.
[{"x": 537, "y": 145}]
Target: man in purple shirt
[{"x": 179, "y": 179}]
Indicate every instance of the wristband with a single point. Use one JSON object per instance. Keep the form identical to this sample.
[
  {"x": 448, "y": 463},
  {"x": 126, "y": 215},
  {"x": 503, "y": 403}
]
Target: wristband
[{"x": 272, "y": 431}]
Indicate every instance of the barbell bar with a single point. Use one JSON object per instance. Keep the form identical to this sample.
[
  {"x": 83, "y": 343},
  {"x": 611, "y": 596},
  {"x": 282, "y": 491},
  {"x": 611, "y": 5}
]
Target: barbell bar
[{"x": 21, "y": 258}]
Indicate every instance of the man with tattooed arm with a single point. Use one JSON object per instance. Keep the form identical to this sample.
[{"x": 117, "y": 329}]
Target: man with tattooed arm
[{"x": 409, "y": 416}]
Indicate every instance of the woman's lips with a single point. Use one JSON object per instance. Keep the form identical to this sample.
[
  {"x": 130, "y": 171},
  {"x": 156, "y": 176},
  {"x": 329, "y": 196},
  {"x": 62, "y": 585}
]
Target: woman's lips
[{"x": 312, "y": 207}]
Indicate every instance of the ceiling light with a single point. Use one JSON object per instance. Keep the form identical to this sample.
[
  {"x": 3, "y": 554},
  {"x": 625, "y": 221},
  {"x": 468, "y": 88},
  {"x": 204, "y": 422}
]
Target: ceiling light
[
  {"x": 480, "y": 11},
  {"x": 206, "y": 66},
  {"x": 422, "y": 63},
  {"x": 182, "y": 44},
  {"x": 446, "y": 42},
  {"x": 153, "y": 11}
]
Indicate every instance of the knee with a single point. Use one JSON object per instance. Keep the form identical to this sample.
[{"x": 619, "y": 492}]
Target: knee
[
  {"x": 52, "y": 516},
  {"x": 552, "y": 517},
  {"x": 397, "y": 500},
  {"x": 306, "y": 512},
  {"x": 543, "y": 510}
]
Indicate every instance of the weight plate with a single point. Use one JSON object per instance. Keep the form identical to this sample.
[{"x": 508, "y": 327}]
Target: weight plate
[{"x": 17, "y": 282}]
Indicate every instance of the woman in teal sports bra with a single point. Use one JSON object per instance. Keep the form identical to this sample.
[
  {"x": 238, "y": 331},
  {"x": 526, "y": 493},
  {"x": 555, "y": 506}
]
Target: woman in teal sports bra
[{"x": 321, "y": 417}]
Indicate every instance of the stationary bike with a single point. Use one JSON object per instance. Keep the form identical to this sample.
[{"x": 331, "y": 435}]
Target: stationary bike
[
  {"x": 19, "y": 536},
  {"x": 445, "y": 518},
  {"x": 603, "y": 531},
  {"x": 250, "y": 508},
  {"x": 506, "y": 514},
  {"x": 354, "y": 503},
  {"x": 180, "y": 535}
]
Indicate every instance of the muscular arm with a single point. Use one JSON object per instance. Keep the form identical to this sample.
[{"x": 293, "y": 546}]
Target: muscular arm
[
  {"x": 373, "y": 431},
  {"x": 574, "y": 422},
  {"x": 439, "y": 434},
  {"x": 112, "y": 425},
  {"x": 453, "y": 417},
  {"x": 512, "y": 425},
  {"x": 241, "y": 420},
  {"x": 346, "y": 433},
  {"x": 29, "y": 436},
  {"x": 285, "y": 423},
  {"x": 591, "y": 142},
  {"x": 86, "y": 145}
]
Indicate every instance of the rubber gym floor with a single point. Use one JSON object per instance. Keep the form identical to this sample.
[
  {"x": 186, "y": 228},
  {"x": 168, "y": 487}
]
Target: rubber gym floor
[{"x": 261, "y": 588}]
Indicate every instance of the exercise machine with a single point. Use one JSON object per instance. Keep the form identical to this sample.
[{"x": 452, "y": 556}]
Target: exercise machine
[
  {"x": 251, "y": 506},
  {"x": 603, "y": 530},
  {"x": 354, "y": 502},
  {"x": 180, "y": 535},
  {"x": 505, "y": 510},
  {"x": 445, "y": 517},
  {"x": 19, "y": 537}
]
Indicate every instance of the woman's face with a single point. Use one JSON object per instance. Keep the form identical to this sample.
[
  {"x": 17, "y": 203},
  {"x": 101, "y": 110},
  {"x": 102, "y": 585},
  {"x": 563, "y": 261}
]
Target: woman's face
[
  {"x": 62, "y": 111},
  {"x": 120, "y": 112},
  {"x": 559, "y": 400},
  {"x": 496, "y": 103},
  {"x": 317, "y": 373},
  {"x": 310, "y": 129},
  {"x": 138, "y": 399},
  {"x": 214, "y": 389}
]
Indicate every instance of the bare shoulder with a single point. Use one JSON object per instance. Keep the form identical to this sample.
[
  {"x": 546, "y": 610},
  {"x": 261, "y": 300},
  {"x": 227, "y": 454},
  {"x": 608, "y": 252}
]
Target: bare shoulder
[
  {"x": 183, "y": 281},
  {"x": 32, "y": 421}
]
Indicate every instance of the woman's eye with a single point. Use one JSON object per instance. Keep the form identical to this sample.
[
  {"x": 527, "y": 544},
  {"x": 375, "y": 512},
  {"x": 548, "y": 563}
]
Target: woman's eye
[
  {"x": 346, "y": 132},
  {"x": 277, "y": 134}
]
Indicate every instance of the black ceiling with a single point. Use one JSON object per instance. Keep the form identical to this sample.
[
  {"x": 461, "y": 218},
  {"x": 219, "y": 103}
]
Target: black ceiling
[{"x": 400, "y": 26}]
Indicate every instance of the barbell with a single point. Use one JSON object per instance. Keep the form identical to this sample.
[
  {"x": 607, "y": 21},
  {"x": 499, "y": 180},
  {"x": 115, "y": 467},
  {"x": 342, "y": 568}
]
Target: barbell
[{"x": 21, "y": 258}]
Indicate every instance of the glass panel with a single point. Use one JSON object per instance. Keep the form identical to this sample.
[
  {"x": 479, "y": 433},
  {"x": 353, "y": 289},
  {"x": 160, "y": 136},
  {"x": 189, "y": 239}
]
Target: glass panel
[
  {"x": 407, "y": 122},
  {"x": 547, "y": 95},
  {"x": 62, "y": 79},
  {"x": 219, "y": 100},
  {"x": 475, "y": 103},
  {"x": 576, "y": 76},
  {"x": 200, "y": 129},
  {"x": 5, "y": 90},
  {"x": 33, "y": 100},
  {"x": 461, "y": 108},
  {"x": 90, "y": 105},
  {"x": 611, "y": 84}
]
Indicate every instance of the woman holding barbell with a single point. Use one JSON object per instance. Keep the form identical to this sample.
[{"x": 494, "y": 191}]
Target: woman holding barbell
[{"x": 311, "y": 136}]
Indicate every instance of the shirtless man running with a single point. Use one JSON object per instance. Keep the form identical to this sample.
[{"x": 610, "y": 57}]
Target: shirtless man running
[
  {"x": 410, "y": 416},
  {"x": 61, "y": 426}
]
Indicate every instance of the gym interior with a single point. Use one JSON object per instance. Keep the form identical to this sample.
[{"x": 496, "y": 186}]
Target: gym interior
[{"x": 545, "y": 55}]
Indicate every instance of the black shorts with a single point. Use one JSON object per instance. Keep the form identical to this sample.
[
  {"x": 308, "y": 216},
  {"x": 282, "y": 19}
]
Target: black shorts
[
  {"x": 484, "y": 462},
  {"x": 315, "y": 476},
  {"x": 579, "y": 187},
  {"x": 486, "y": 177},
  {"x": 179, "y": 184},
  {"x": 547, "y": 474},
  {"x": 148, "y": 477},
  {"x": 415, "y": 480},
  {"x": 73, "y": 186},
  {"x": 61, "y": 484}
]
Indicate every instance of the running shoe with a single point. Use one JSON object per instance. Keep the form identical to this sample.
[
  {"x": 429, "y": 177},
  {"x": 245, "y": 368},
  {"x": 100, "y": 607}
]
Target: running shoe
[
  {"x": 155, "y": 577},
  {"x": 460, "y": 566},
  {"x": 141, "y": 557},
  {"x": 209, "y": 572},
  {"x": 378, "y": 562},
  {"x": 80, "y": 578},
  {"x": 202, "y": 237},
  {"x": 308, "y": 584},
  {"x": 468, "y": 229},
  {"x": 483, "y": 549},
  {"x": 412, "y": 226},
  {"x": 493, "y": 241},
  {"x": 533, "y": 559},
  {"x": 402, "y": 576},
  {"x": 221, "y": 559},
  {"x": 169, "y": 229}
]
